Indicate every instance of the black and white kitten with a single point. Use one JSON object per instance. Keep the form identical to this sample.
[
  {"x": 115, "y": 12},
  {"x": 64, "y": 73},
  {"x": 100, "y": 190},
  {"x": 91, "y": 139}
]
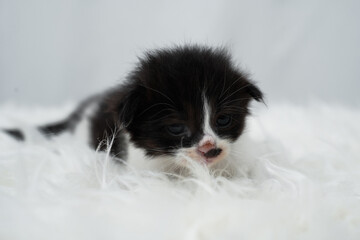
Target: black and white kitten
[{"x": 180, "y": 105}]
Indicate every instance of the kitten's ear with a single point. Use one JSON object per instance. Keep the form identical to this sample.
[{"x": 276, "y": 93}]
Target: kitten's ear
[{"x": 255, "y": 92}]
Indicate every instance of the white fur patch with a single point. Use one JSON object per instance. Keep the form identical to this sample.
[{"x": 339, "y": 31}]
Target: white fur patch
[{"x": 207, "y": 113}]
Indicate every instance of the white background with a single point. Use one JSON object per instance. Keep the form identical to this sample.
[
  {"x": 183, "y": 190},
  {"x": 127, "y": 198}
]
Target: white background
[{"x": 52, "y": 52}]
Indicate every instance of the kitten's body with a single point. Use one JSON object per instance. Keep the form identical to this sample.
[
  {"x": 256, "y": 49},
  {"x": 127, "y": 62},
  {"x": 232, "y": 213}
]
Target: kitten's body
[{"x": 178, "y": 107}]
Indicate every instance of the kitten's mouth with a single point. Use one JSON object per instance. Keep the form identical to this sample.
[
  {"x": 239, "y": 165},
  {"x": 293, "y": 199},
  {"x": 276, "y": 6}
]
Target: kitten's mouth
[
  {"x": 210, "y": 156},
  {"x": 212, "y": 153}
]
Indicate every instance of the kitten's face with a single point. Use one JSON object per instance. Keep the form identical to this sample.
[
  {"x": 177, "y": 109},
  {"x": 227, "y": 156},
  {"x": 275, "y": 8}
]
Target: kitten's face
[{"x": 188, "y": 104}]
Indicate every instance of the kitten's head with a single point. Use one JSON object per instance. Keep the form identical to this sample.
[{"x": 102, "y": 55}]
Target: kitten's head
[{"x": 186, "y": 104}]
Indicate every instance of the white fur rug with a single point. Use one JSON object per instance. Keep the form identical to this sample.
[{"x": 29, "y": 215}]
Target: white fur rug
[{"x": 305, "y": 184}]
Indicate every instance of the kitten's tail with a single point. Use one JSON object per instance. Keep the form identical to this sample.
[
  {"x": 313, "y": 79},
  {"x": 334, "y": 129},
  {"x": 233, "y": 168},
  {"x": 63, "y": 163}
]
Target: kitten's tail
[{"x": 68, "y": 124}]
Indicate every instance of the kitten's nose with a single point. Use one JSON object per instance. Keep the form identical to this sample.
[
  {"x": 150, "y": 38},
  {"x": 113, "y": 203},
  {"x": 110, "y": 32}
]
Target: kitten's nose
[{"x": 208, "y": 148}]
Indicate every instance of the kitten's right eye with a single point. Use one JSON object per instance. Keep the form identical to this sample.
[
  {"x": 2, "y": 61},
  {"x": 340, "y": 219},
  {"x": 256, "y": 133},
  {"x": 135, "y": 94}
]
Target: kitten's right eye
[
  {"x": 223, "y": 121},
  {"x": 176, "y": 129}
]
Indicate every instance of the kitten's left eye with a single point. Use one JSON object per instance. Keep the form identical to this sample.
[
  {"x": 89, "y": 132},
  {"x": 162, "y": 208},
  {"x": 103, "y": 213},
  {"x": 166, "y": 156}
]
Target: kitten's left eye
[
  {"x": 176, "y": 129},
  {"x": 223, "y": 120}
]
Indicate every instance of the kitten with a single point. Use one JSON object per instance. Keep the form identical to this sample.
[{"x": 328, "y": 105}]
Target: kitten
[{"x": 180, "y": 105}]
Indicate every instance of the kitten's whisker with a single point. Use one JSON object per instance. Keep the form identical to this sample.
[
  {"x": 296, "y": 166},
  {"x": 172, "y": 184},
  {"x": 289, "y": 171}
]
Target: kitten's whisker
[
  {"x": 228, "y": 88},
  {"x": 173, "y": 166},
  {"x": 223, "y": 87},
  {"x": 160, "y": 151},
  {"x": 227, "y": 97},
  {"x": 181, "y": 142},
  {"x": 234, "y": 119},
  {"x": 234, "y": 108},
  {"x": 154, "y": 105},
  {"x": 164, "y": 117},
  {"x": 236, "y": 100},
  {"x": 147, "y": 87},
  {"x": 236, "y": 151},
  {"x": 164, "y": 148}
]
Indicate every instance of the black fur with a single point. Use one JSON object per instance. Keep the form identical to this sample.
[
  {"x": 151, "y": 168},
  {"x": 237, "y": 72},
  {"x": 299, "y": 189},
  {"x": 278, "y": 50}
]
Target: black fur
[{"x": 168, "y": 86}]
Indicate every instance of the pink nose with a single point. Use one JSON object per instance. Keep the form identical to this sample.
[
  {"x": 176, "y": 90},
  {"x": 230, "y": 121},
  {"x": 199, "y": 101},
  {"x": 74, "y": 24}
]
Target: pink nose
[
  {"x": 206, "y": 147},
  {"x": 206, "y": 144}
]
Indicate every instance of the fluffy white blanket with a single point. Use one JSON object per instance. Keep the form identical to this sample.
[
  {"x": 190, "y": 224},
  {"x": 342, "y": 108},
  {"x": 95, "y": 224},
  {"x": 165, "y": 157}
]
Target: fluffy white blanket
[{"x": 305, "y": 184}]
